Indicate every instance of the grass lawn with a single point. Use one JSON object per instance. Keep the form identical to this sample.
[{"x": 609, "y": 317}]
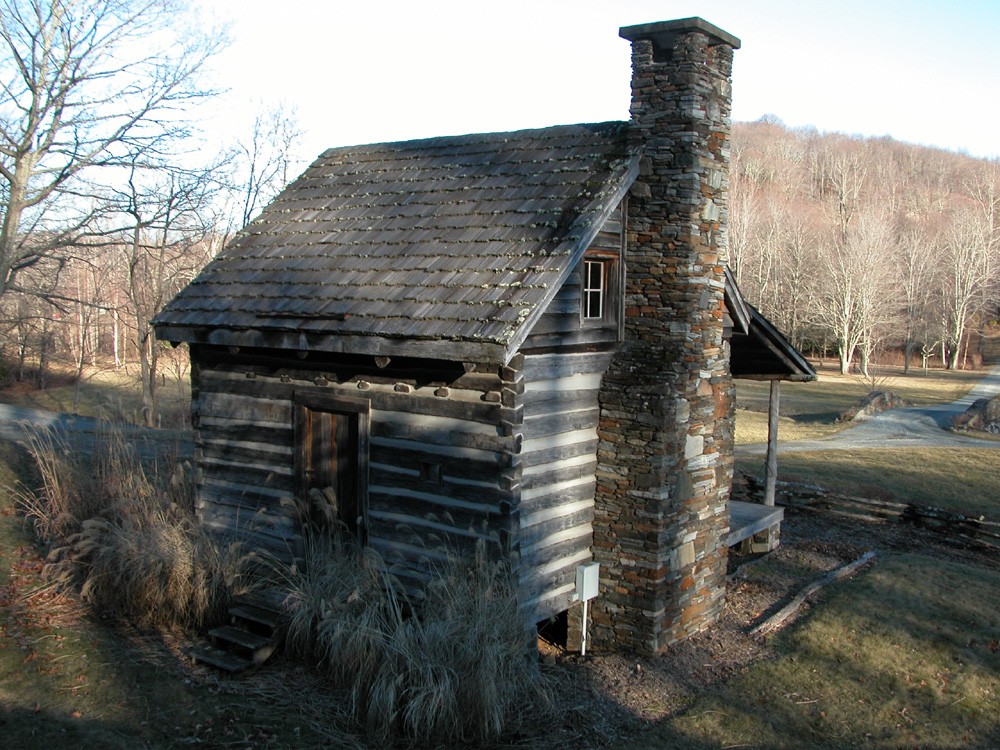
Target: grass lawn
[
  {"x": 963, "y": 480},
  {"x": 751, "y": 427},
  {"x": 905, "y": 655}
]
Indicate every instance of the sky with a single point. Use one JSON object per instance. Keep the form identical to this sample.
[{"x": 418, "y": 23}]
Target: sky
[{"x": 360, "y": 71}]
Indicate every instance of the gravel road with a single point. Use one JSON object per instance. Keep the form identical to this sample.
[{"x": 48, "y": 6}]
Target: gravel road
[
  {"x": 917, "y": 426},
  {"x": 19, "y": 423}
]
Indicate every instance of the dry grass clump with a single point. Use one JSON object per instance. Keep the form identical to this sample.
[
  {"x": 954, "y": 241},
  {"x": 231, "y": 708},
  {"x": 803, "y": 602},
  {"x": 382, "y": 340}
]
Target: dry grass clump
[
  {"x": 129, "y": 540},
  {"x": 454, "y": 666}
]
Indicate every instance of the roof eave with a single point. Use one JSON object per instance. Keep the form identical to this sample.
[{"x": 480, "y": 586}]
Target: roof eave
[{"x": 455, "y": 350}]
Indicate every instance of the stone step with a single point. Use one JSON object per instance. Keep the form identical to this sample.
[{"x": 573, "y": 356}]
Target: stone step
[{"x": 225, "y": 660}]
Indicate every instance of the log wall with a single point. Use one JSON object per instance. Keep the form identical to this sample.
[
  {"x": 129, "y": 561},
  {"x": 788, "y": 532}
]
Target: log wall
[
  {"x": 558, "y": 459},
  {"x": 436, "y": 462}
]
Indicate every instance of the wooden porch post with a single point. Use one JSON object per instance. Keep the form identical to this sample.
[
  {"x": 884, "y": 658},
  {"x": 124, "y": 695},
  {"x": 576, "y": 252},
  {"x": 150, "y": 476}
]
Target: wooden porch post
[{"x": 771, "y": 472}]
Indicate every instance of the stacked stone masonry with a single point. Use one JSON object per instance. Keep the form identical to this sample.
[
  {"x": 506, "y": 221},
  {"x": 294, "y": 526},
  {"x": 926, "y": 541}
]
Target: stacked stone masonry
[{"x": 666, "y": 420}]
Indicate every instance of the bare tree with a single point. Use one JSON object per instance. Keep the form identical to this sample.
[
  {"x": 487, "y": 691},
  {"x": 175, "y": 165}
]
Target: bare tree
[
  {"x": 915, "y": 261},
  {"x": 964, "y": 260},
  {"x": 265, "y": 159},
  {"x": 164, "y": 247},
  {"x": 83, "y": 85}
]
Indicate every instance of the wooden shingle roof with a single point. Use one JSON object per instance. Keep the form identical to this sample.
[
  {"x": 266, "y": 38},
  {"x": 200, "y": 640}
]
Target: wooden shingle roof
[
  {"x": 764, "y": 353},
  {"x": 445, "y": 247}
]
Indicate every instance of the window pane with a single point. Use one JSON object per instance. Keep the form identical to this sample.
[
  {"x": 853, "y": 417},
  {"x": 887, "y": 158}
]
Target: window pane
[{"x": 593, "y": 289}]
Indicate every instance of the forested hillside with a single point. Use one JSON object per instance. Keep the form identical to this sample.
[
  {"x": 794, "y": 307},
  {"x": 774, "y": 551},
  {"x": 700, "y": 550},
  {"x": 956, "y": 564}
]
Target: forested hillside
[{"x": 857, "y": 245}]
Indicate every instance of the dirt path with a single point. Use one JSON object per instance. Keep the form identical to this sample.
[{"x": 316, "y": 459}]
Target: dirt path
[
  {"x": 913, "y": 427},
  {"x": 20, "y": 423}
]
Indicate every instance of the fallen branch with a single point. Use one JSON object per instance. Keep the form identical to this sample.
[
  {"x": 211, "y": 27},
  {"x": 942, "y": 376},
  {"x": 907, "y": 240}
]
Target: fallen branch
[{"x": 776, "y": 620}]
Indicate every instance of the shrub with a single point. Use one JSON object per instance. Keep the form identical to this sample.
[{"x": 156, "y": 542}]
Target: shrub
[
  {"x": 130, "y": 541},
  {"x": 454, "y": 664}
]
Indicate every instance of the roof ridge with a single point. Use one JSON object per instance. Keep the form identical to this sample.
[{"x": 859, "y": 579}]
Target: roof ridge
[{"x": 495, "y": 136}]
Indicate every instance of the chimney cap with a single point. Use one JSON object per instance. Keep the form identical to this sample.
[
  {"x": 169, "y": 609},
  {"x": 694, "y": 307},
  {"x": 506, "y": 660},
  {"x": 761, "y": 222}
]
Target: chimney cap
[{"x": 663, "y": 33}]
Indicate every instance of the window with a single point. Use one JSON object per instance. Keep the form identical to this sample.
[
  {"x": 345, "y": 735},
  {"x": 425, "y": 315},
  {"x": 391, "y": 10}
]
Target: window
[{"x": 595, "y": 289}]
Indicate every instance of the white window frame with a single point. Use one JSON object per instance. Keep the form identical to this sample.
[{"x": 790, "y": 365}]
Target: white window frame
[{"x": 598, "y": 290}]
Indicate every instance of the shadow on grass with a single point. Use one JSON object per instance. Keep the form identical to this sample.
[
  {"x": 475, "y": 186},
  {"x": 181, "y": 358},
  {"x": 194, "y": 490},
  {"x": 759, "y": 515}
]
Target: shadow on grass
[
  {"x": 26, "y": 728},
  {"x": 905, "y": 656},
  {"x": 962, "y": 480},
  {"x": 104, "y": 393}
]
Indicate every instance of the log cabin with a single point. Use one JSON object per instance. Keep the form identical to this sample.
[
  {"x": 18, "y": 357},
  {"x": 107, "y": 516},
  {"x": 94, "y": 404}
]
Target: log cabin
[{"x": 519, "y": 337}]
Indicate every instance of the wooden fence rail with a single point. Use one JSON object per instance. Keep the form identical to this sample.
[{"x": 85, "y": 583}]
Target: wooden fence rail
[{"x": 955, "y": 527}]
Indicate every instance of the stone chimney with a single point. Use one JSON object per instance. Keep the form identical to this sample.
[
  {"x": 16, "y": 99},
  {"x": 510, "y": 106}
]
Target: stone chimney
[{"x": 665, "y": 461}]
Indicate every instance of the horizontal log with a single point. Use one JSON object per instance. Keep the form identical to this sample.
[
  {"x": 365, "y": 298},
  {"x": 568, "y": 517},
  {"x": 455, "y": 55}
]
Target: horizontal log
[
  {"x": 272, "y": 523},
  {"x": 543, "y": 577},
  {"x": 568, "y": 538},
  {"x": 537, "y": 403},
  {"x": 560, "y": 422},
  {"x": 276, "y": 363},
  {"x": 411, "y": 456},
  {"x": 532, "y": 520},
  {"x": 574, "y": 526},
  {"x": 436, "y": 430},
  {"x": 559, "y": 365},
  {"x": 244, "y": 408},
  {"x": 243, "y": 493},
  {"x": 240, "y": 430},
  {"x": 559, "y": 471},
  {"x": 238, "y": 451},
  {"x": 441, "y": 452},
  {"x": 537, "y": 454},
  {"x": 573, "y": 490},
  {"x": 263, "y": 391},
  {"x": 284, "y": 548},
  {"x": 426, "y": 536},
  {"x": 547, "y": 604},
  {"x": 252, "y": 480},
  {"x": 388, "y": 480},
  {"x": 591, "y": 336}
]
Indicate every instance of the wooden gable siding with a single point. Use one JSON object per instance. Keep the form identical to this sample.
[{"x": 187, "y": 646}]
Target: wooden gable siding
[
  {"x": 561, "y": 324},
  {"x": 558, "y": 460},
  {"x": 436, "y": 456}
]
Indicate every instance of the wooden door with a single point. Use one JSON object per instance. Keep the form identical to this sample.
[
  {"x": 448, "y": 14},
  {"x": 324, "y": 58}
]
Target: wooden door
[{"x": 331, "y": 460}]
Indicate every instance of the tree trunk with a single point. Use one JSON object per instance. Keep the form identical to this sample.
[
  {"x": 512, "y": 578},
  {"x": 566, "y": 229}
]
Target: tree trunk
[
  {"x": 147, "y": 379},
  {"x": 43, "y": 354},
  {"x": 954, "y": 350},
  {"x": 845, "y": 359}
]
